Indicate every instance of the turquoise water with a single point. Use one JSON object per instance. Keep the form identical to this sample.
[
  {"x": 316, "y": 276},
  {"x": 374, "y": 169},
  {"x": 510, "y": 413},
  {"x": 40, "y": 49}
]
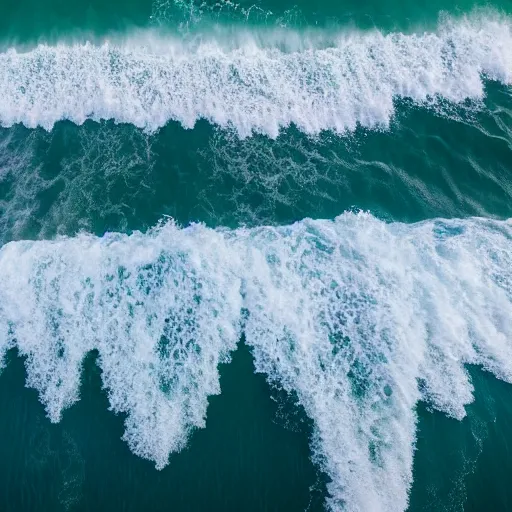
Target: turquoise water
[{"x": 255, "y": 256}]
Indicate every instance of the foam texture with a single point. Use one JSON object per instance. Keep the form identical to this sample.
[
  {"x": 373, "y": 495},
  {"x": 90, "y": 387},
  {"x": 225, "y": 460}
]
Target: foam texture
[
  {"x": 254, "y": 80},
  {"x": 359, "y": 318}
]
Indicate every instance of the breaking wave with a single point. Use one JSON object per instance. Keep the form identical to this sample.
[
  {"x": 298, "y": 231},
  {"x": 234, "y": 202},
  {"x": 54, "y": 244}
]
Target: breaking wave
[
  {"x": 359, "y": 318},
  {"x": 255, "y": 80}
]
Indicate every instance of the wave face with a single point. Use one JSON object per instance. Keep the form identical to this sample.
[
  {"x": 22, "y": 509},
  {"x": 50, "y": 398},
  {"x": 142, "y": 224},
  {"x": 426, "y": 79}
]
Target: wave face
[
  {"x": 254, "y": 80},
  {"x": 361, "y": 319}
]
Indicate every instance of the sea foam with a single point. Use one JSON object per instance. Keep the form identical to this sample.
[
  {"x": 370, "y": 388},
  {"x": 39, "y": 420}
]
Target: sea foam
[
  {"x": 359, "y": 318},
  {"x": 254, "y": 80}
]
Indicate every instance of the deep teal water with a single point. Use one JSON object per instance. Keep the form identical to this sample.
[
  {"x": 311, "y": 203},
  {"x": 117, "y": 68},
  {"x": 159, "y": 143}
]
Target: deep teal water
[{"x": 447, "y": 157}]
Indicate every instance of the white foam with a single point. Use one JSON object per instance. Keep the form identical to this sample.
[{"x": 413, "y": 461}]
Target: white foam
[
  {"x": 254, "y": 80},
  {"x": 360, "y": 318},
  {"x": 147, "y": 303}
]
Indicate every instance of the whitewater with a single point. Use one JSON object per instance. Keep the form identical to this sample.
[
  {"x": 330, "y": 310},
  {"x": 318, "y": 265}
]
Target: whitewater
[
  {"x": 359, "y": 318},
  {"x": 255, "y": 80}
]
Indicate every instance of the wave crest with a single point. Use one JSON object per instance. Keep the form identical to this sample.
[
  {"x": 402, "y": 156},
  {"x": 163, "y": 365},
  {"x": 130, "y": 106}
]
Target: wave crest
[{"x": 255, "y": 80}]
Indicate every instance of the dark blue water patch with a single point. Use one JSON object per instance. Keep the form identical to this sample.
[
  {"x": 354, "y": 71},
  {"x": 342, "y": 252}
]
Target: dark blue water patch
[
  {"x": 465, "y": 465},
  {"x": 251, "y": 456}
]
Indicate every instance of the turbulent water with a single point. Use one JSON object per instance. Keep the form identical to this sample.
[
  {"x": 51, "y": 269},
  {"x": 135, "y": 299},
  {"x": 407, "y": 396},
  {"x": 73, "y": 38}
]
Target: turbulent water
[
  {"x": 254, "y": 81},
  {"x": 283, "y": 228}
]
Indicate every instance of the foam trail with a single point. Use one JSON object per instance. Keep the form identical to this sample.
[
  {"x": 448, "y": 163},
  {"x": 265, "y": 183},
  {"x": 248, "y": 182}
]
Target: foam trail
[
  {"x": 255, "y": 80},
  {"x": 360, "y": 318}
]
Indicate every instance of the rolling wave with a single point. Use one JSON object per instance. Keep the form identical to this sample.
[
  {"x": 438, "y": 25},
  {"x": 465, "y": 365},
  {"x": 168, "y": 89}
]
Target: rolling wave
[{"x": 255, "y": 80}]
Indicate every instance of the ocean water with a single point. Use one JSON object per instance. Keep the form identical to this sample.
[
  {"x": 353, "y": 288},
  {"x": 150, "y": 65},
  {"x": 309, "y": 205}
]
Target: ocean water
[{"x": 255, "y": 256}]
